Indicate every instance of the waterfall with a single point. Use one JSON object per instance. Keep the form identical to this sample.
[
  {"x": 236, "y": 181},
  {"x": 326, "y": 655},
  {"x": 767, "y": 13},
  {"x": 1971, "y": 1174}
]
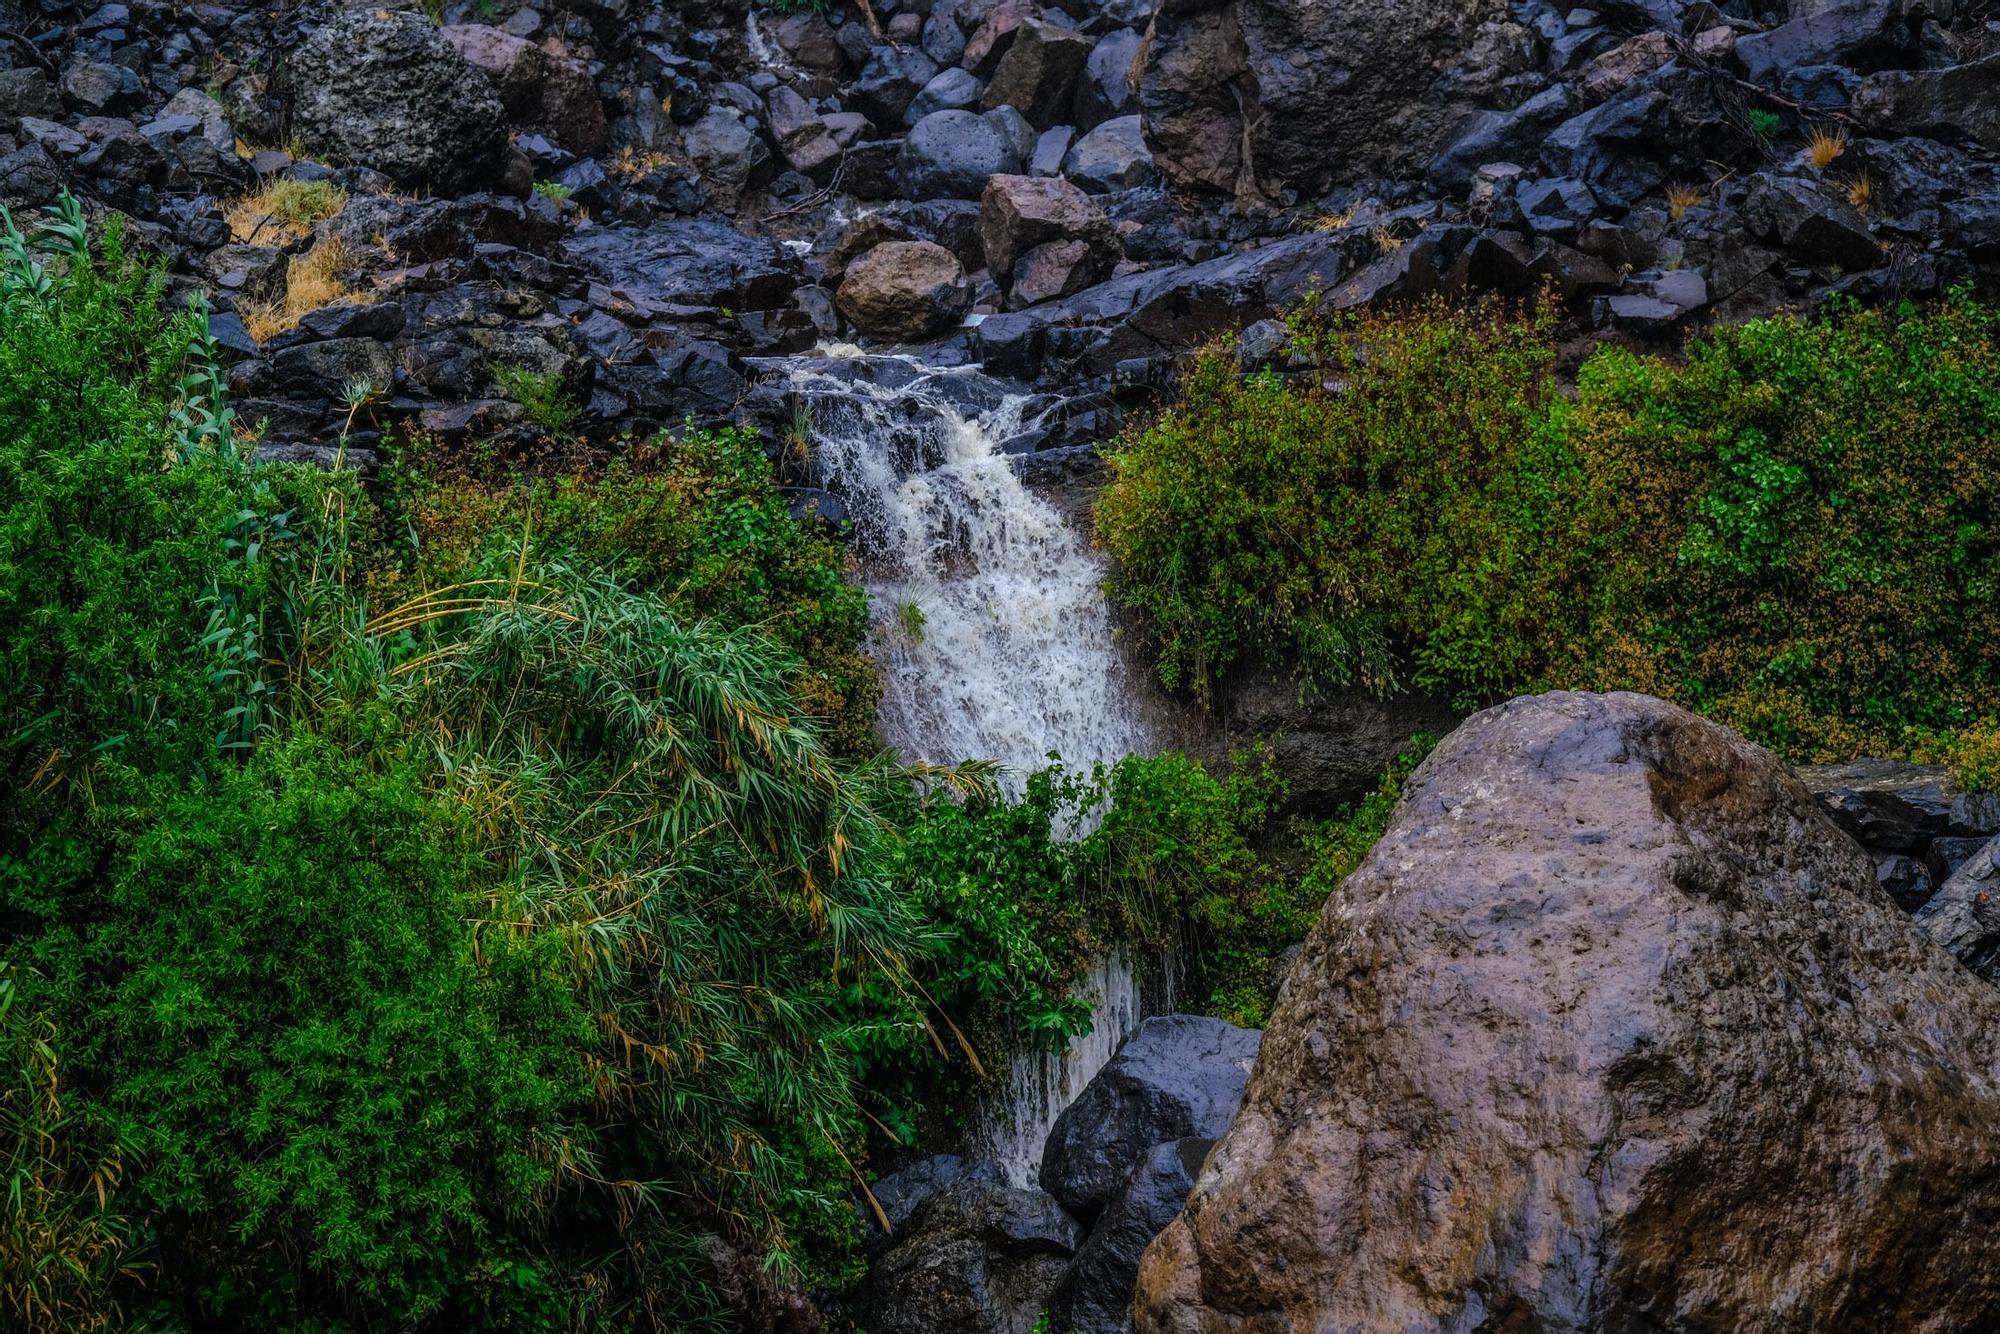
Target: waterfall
[
  {"x": 989, "y": 626},
  {"x": 990, "y": 630}
]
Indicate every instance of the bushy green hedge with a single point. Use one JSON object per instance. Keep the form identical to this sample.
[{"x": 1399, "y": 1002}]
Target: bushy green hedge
[{"x": 1793, "y": 530}]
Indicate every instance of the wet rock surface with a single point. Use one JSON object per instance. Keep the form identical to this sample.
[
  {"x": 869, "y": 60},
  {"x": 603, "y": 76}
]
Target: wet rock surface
[
  {"x": 1178, "y": 1076},
  {"x": 1611, "y": 1006}
]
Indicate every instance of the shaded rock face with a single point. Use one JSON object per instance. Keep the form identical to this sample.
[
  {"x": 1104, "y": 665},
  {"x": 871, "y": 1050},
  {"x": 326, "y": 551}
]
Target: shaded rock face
[
  {"x": 1612, "y": 1030},
  {"x": 978, "y": 1257},
  {"x": 1180, "y": 1075},
  {"x": 1094, "y": 1295},
  {"x": 1302, "y": 93},
  {"x": 384, "y": 89},
  {"x": 1332, "y": 748}
]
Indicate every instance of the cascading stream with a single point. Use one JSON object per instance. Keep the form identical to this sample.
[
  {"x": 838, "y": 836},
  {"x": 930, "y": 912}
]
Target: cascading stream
[
  {"x": 990, "y": 630},
  {"x": 990, "y": 627}
]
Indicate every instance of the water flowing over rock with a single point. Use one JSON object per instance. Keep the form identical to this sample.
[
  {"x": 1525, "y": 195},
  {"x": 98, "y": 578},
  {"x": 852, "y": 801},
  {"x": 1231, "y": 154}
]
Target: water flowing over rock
[
  {"x": 990, "y": 624},
  {"x": 1613, "y": 1030}
]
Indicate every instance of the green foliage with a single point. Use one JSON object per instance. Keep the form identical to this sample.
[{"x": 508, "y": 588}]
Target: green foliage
[
  {"x": 542, "y": 396},
  {"x": 1791, "y": 530},
  {"x": 1764, "y": 124},
  {"x": 111, "y": 563},
  {"x": 554, "y": 191},
  {"x": 695, "y": 521},
  {"x": 61, "y": 1241},
  {"x": 321, "y": 1065}
]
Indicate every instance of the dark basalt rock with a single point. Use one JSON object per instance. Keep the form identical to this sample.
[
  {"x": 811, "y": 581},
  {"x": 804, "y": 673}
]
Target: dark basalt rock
[
  {"x": 1610, "y": 1007},
  {"x": 384, "y": 89},
  {"x": 978, "y": 1257},
  {"x": 1095, "y": 1293},
  {"x": 1179, "y": 1075},
  {"x": 1964, "y": 915},
  {"x": 689, "y": 262},
  {"x": 1898, "y": 806}
]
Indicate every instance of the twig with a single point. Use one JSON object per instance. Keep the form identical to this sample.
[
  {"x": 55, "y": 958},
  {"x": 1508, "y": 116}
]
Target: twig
[
  {"x": 48, "y": 67},
  {"x": 817, "y": 197}
]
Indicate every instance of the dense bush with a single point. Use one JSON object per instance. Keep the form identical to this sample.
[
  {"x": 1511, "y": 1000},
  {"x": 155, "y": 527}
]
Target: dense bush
[
  {"x": 1793, "y": 530},
  {"x": 695, "y": 521}
]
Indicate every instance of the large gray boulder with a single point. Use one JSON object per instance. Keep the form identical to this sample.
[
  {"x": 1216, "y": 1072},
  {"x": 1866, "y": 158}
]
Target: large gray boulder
[
  {"x": 1243, "y": 96},
  {"x": 382, "y": 88},
  {"x": 1179, "y": 1075},
  {"x": 978, "y": 1257},
  {"x": 1111, "y": 157},
  {"x": 950, "y": 154},
  {"x": 1612, "y": 1030}
]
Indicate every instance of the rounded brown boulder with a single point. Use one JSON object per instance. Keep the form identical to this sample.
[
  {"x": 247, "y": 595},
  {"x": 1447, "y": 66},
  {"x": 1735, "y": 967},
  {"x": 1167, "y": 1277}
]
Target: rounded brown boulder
[
  {"x": 1612, "y": 1030},
  {"x": 905, "y": 290}
]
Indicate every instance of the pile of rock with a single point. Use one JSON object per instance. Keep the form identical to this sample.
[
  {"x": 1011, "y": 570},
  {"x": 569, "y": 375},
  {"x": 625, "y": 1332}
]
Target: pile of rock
[
  {"x": 969, "y": 1251},
  {"x": 643, "y": 197}
]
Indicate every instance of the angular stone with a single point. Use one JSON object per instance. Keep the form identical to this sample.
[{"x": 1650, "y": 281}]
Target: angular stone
[
  {"x": 1038, "y": 76},
  {"x": 980, "y": 1257},
  {"x": 1900, "y": 807},
  {"x": 1178, "y": 1075},
  {"x": 1018, "y": 213},
  {"x": 1094, "y": 1295},
  {"x": 1111, "y": 157},
  {"x": 382, "y": 88},
  {"x": 905, "y": 291},
  {"x": 1956, "y": 104}
]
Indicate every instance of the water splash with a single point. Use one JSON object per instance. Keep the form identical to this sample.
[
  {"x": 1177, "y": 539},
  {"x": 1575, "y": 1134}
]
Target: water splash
[{"x": 990, "y": 627}]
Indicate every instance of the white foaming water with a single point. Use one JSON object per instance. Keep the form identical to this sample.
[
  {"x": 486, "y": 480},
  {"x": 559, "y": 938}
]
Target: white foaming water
[
  {"x": 990, "y": 627},
  {"x": 992, "y": 636}
]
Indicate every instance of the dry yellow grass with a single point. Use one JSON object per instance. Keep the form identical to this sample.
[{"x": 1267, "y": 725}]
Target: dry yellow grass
[
  {"x": 1332, "y": 222},
  {"x": 312, "y": 280},
  {"x": 1681, "y": 198},
  {"x": 1861, "y": 193},
  {"x": 284, "y": 211},
  {"x": 1385, "y": 240},
  {"x": 1824, "y": 147}
]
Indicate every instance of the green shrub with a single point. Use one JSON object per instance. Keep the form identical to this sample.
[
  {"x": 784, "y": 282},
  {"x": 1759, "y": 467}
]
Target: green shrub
[
  {"x": 1792, "y": 530},
  {"x": 696, "y": 521},
  {"x": 325, "y": 1072},
  {"x": 541, "y": 394}
]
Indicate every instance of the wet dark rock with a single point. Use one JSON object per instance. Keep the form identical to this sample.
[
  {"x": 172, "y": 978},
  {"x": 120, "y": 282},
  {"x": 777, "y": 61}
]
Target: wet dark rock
[
  {"x": 1905, "y": 879},
  {"x": 1964, "y": 915},
  {"x": 1178, "y": 1075},
  {"x": 1499, "y": 136},
  {"x": 384, "y": 89},
  {"x": 1845, "y": 32},
  {"x": 27, "y": 92},
  {"x": 1948, "y": 852},
  {"x": 731, "y": 156},
  {"x": 1956, "y": 104},
  {"x": 99, "y": 88},
  {"x": 1051, "y": 147},
  {"x": 1104, "y": 91},
  {"x": 1039, "y": 74},
  {"x": 1111, "y": 157},
  {"x": 951, "y": 154},
  {"x": 905, "y": 291},
  {"x": 953, "y": 89},
  {"x": 889, "y": 82},
  {"x": 978, "y": 1257},
  {"x": 1804, "y": 220},
  {"x": 1898, "y": 806},
  {"x": 1095, "y": 1293},
  {"x": 1271, "y": 94},
  {"x": 951, "y": 223},
  {"x": 690, "y": 262},
  {"x": 1523, "y": 1072},
  {"x": 542, "y": 90}
]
